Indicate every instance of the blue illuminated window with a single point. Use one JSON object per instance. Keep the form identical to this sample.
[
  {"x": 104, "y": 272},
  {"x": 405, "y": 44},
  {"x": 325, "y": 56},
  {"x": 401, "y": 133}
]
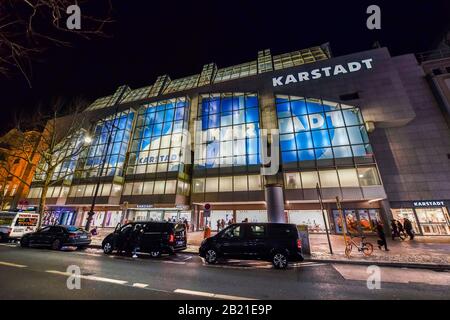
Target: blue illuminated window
[
  {"x": 230, "y": 125},
  {"x": 312, "y": 129}
]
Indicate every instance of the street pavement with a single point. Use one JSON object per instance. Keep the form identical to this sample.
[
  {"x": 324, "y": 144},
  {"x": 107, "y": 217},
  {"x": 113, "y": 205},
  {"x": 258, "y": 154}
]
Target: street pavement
[{"x": 30, "y": 273}]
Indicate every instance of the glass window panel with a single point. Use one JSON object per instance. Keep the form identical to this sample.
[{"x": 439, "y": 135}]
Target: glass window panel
[
  {"x": 339, "y": 137},
  {"x": 324, "y": 153},
  {"x": 352, "y": 117},
  {"x": 342, "y": 152},
  {"x": 309, "y": 179},
  {"x": 106, "y": 190},
  {"x": 198, "y": 185},
  {"x": 283, "y": 110},
  {"x": 289, "y": 156},
  {"x": 292, "y": 180},
  {"x": 254, "y": 182},
  {"x": 285, "y": 125},
  {"x": 226, "y": 184},
  {"x": 298, "y": 107},
  {"x": 287, "y": 142},
  {"x": 348, "y": 178},
  {"x": 355, "y": 135},
  {"x": 328, "y": 179},
  {"x": 212, "y": 184},
  {"x": 306, "y": 155},
  {"x": 171, "y": 186},
  {"x": 159, "y": 187},
  {"x": 240, "y": 183},
  {"x": 321, "y": 138},
  {"x": 335, "y": 119},
  {"x": 368, "y": 176}
]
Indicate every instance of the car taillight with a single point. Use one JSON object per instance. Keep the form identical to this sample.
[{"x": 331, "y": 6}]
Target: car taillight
[
  {"x": 72, "y": 235},
  {"x": 299, "y": 243},
  {"x": 171, "y": 238}
]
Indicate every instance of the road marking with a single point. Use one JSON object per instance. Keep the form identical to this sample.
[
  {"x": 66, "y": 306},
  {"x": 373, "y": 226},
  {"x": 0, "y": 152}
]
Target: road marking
[
  {"x": 174, "y": 262},
  {"x": 9, "y": 264},
  {"x": 210, "y": 295},
  {"x": 93, "y": 278},
  {"x": 88, "y": 254},
  {"x": 140, "y": 285},
  {"x": 314, "y": 264}
]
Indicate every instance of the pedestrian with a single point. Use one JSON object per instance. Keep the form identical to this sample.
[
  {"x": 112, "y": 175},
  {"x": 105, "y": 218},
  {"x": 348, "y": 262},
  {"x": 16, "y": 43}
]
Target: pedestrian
[
  {"x": 408, "y": 228},
  {"x": 94, "y": 231},
  {"x": 218, "y": 225},
  {"x": 401, "y": 230},
  {"x": 136, "y": 239},
  {"x": 222, "y": 224},
  {"x": 186, "y": 224},
  {"x": 394, "y": 229},
  {"x": 230, "y": 222},
  {"x": 382, "y": 241}
]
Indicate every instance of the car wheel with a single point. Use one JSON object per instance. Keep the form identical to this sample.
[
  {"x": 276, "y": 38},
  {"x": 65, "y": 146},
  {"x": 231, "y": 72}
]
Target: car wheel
[
  {"x": 108, "y": 248},
  {"x": 279, "y": 260},
  {"x": 211, "y": 256},
  {"x": 155, "y": 254},
  {"x": 56, "y": 245},
  {"x": 24, "y": 243}
]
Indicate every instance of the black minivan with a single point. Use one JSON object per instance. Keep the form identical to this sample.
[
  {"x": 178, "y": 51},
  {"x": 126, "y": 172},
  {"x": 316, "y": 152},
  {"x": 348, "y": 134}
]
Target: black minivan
[
  {"x": 275, "y": 242},
  {"x": 155, "y": 238}
]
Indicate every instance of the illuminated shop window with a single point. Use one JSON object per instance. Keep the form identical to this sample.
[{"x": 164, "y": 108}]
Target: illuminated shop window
[
  {"x": 227, "y": 184},
  {"x": 104, "y": 190},
  {"x": 137, "y": 94},
  {"x": 229, "y": 131},
  {"x": 333, "y": 178},
  {"x": 161, "y": 130},
  {"x": 117, "y": 127},
  {"x": 34, "y": 193},
  {"x": 312, "y": 129},
  {"x": 154, "y": 187}
]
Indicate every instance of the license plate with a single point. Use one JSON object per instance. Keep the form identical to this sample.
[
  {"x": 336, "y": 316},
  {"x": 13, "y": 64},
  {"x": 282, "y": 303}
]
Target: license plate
[
  {"x": 179, "y": 243},
  {"x": 83, "y": 237}
]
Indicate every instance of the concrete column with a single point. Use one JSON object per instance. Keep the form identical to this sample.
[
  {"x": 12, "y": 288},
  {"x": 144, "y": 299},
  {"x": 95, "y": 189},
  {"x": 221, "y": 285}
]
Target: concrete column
[{"x": 275, "y": 203}]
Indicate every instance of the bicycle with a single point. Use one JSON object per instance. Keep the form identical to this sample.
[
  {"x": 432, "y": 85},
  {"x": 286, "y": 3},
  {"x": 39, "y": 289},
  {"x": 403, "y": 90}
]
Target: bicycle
[{"x": 365, "y": 247}]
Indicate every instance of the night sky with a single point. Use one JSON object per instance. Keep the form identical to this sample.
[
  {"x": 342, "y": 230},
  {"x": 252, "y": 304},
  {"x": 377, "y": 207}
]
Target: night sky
[{"x": 151, "y": 38}]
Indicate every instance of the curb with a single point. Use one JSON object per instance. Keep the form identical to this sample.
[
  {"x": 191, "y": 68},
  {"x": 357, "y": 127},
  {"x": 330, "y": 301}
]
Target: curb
[{"x": 438, "y": 267}]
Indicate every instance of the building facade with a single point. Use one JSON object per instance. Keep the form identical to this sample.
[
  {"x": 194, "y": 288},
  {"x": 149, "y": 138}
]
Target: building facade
[{"x": 365, "y": 127}]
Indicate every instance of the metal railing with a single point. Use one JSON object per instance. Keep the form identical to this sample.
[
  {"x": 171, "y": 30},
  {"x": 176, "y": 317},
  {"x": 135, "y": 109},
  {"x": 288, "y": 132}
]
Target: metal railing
[{"x": 433, "y": 55}]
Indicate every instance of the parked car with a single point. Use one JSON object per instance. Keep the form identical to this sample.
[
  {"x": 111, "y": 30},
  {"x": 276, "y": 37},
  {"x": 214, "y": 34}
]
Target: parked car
[
  {"x": 56, "y": 237},
  {"x": 155, "y": 238},
  {"x": 278, "y": 243},
  {"x": 13, "y": 225}
]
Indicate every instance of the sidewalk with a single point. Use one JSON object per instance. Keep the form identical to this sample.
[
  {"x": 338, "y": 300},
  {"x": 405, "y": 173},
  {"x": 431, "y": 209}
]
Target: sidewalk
[{"x": 426, "y": 251}]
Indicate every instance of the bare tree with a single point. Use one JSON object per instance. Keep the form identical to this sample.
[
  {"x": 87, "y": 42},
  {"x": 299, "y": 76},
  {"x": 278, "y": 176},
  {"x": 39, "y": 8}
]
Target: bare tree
[
  {"x": 29, "y": 27},
  {"x": 52, "y": 150}
]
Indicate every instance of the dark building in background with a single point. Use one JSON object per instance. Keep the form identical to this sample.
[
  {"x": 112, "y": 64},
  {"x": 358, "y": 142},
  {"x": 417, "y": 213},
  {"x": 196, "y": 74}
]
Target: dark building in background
[{"x": 365, "y": 127}]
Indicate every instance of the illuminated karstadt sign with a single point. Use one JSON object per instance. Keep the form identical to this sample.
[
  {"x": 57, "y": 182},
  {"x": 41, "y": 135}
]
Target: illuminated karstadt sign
[{"x": 331, "y": 71}]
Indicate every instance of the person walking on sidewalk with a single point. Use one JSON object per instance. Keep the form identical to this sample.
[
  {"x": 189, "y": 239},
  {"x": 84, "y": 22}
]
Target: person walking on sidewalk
[
  {"x": 136, "y": 239},
  {"x": 401, "y": 230},
  {"x": 408, "y": 228},
  {"x": 382, "y": 241},
  {"x": 394, "y": 228}
]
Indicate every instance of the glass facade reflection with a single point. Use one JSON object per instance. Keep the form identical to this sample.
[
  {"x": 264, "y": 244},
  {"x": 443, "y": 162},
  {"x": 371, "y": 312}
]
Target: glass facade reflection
[
  {"x": 229, "y": 134},
  {"x": 117, "y": 131},
  {"x": 158, "y": 137},
  {"x": 312, "y": 129}
]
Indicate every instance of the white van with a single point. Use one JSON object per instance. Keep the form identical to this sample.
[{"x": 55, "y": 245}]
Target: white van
[{"x": 13, "y": 225}]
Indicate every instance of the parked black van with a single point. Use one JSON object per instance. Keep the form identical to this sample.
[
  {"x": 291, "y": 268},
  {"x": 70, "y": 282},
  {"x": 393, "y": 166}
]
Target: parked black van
[
  {"x": 150, "y": 237},
  {"x": 275, "y": 242}
]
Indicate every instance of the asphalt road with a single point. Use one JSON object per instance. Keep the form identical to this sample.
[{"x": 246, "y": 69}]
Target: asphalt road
[{"x": 42, "y": 274}]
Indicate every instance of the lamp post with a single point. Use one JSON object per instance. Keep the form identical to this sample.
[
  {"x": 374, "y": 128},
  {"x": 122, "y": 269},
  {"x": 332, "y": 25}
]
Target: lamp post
[
  {"x": 102, "y": 168},
  {"x": 319, "y": 194}
]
